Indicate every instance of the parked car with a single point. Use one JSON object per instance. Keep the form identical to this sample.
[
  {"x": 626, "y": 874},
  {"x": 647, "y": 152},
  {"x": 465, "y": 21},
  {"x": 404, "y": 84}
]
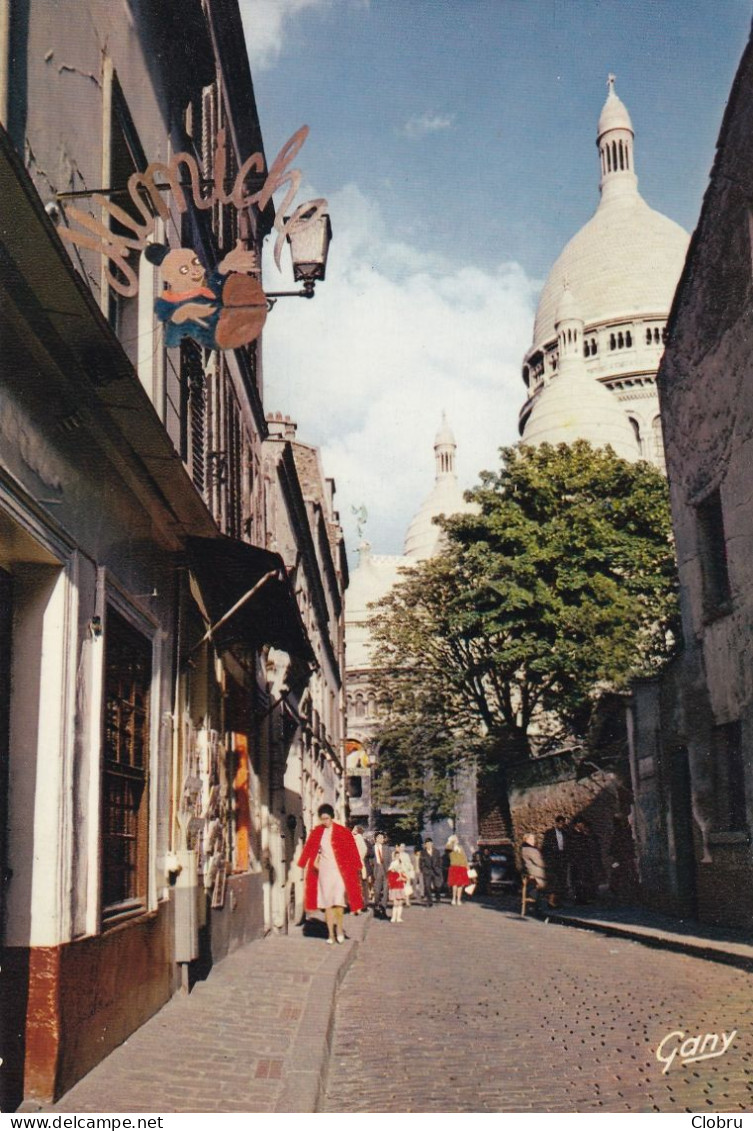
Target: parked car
[{"x": 497, "y": 870}]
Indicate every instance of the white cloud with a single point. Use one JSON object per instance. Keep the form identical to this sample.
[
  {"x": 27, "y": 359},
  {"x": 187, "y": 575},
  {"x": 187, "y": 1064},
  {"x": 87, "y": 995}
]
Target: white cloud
[
  {"x": 394, "y": 337},
  {"x": 267, "y": 23},
  {"x": 421, "y": 124}
]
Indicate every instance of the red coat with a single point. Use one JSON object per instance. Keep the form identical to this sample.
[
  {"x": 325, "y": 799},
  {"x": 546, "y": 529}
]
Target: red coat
[{"x": 347, "y": 858}]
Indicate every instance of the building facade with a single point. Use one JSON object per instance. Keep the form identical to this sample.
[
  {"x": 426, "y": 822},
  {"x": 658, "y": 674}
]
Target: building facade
[
  {"x": 372, "y": 579},
  {"x": 693, "y": 728},
  {"x": 150, "y": 636},
  {"x": 309, "y": 537},
  {"x": 620, "y": 272}
]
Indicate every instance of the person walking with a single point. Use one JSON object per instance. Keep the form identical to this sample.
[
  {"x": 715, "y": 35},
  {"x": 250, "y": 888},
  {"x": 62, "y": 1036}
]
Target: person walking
[
  {"x": 398, "y": 880},
  {"x": 363, "y": 848},
  {"x": 410, "y": 873},
  {"x": 379, "y": 861},
  {"x": 555, "y": 848},
  {"x": 534, "y": 867},
  {"x": 432, "y": 872},
  {"x": 585, "y": 859},
  {"x": 333, "y": 873},
  {"x": 457, "y": 877}
]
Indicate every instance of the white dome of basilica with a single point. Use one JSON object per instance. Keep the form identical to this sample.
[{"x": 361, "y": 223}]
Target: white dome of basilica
[
  {"x": 572, "y": 406},
  {"x": 623, "y": 266},
  {"x": 423, "y": 539},
  {"x": 626, "y": 260}
]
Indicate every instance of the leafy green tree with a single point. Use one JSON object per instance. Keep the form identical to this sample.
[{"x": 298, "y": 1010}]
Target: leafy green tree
[{"x": 562, "y": 587}]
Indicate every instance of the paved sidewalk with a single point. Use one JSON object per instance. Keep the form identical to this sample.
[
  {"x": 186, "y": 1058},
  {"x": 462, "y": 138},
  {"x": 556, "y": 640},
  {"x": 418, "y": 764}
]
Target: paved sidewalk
[
  {"x": 254, "y": 1037},
  {"x": 719, "y": 944}
]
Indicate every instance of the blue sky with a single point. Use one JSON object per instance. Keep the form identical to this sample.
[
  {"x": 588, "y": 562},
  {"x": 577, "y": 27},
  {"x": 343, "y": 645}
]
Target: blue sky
[{"x": 455, "y": 141}]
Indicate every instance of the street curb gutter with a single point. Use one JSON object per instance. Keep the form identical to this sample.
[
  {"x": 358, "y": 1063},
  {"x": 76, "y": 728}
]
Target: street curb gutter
[
  {"x": 740, "y": 955},
  {"x": 307, "y": 1067}
]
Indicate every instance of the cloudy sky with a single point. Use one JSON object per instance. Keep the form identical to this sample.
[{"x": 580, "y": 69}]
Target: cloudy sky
[{"x": 455, "y": 143}]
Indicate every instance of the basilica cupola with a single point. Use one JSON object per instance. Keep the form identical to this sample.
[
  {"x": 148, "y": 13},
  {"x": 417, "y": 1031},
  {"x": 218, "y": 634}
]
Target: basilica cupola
[
  {"x": 572, "y": 405},
  {"x": 424, "y": 538},
  {"x": 615, "y": 137}
]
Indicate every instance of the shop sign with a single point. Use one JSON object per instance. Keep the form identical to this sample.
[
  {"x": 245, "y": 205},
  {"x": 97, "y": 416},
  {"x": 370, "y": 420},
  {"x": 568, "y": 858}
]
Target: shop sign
[{"x": 228, "y": 308}]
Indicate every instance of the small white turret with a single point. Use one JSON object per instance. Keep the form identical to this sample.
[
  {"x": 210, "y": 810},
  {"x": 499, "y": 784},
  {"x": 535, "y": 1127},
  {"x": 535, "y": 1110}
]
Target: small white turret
[{"x": 615, "y": 138}]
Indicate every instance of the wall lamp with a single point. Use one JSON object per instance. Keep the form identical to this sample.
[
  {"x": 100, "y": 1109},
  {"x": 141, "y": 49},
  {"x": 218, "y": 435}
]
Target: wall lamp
[{"x": 309, "y": 248}]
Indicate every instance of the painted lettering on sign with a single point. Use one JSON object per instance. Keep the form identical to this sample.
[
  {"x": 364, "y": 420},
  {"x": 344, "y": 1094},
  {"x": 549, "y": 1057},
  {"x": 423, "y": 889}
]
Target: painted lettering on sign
[{"x": 146, "y": 190}]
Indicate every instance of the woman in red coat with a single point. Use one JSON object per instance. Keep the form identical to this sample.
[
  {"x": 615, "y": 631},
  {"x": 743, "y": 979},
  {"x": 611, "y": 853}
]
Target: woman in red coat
[{"x": 333, "y": 872}]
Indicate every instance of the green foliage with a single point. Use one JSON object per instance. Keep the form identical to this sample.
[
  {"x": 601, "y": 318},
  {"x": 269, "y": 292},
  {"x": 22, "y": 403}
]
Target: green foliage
[{"x": 561, "y": 587}]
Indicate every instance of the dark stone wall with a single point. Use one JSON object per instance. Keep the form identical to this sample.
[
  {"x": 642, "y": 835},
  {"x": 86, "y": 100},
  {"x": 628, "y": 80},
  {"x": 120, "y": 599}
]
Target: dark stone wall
[{"x": 81, "y": 1001}]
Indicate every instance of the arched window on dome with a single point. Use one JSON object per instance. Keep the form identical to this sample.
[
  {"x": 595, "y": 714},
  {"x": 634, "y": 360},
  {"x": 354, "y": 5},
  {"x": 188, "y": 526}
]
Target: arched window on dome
[
  {"x": 594, "y": 347},
  {"x": 658, "y": 438},
  {"x": 659, "y": 335},
  {"x": 628, "y": 339},
  {"x": 620, "y": 340},
  {"x": 622, "y": 157},
  {"x": 649, "y": 337},
  {"x": 586, "y": 349},
  {"x": 614, "y": 156},
  {"x": 637, "y": 429},
  {"x": 612, "y": 342}
]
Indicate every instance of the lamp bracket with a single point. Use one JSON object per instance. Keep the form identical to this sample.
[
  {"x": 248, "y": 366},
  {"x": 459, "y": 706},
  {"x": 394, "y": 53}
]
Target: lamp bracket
[{"x": 307, "y": 291}]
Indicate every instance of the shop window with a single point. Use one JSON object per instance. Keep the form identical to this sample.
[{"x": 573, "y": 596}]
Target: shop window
[
  {"x": 355, "y": 785},
  {"x": 712, "y": 551},
  {"x": 125, "y": 802},
  {"x": 729, "y": 777}
]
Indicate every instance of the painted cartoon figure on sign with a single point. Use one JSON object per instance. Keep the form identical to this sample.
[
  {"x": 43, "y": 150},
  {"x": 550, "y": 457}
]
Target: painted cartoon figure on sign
[{"x": 225, "y": 311}]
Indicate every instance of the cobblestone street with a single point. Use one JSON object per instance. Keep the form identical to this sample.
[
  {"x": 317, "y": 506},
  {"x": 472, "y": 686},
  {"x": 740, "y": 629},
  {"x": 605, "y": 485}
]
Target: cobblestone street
[{"x": 475, "y": 1009}]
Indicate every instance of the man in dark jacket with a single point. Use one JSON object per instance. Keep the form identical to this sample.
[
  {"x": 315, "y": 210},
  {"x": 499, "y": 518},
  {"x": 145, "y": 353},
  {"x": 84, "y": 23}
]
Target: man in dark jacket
[
  {"x": 378, "y": 862},
  {"x": 431, "y": 871},
  {"x": 555, "y": 848}
]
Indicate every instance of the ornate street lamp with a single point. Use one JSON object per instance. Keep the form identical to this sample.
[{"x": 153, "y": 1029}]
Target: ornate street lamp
[{"x": 309, "y": 248}]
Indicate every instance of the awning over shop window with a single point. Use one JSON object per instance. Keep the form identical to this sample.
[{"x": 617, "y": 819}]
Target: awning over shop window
[{"x": 247, "y": 595}]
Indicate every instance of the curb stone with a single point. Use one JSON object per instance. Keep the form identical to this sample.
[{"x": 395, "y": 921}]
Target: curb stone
[{"x": 308, "y": 1058}]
